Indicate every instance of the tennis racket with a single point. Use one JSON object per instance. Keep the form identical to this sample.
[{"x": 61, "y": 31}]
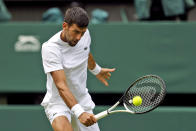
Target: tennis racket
[{"x": 152, "y": 90}]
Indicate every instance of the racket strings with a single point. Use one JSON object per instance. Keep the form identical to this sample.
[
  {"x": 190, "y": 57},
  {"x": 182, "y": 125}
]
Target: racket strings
[{"x": 150, "y": 89}]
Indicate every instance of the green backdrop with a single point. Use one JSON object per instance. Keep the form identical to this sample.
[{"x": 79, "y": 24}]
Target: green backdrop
[
  {"x": 32, "y": 118},
  {"x": 134, "y": 49}
]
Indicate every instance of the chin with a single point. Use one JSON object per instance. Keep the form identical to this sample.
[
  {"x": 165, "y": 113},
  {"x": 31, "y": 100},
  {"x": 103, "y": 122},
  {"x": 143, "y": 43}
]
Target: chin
[{"x": 72, "y": 44}]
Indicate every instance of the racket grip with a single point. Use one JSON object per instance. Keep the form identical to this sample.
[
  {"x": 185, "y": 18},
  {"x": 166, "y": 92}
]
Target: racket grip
[{"x": 101, "y": 115}]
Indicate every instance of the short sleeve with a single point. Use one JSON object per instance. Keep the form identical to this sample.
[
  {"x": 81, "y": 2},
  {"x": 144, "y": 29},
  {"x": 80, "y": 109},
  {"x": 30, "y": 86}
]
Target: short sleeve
[
  {"x": 89, "y": 37},
  {"x": 51, "y": 59}
]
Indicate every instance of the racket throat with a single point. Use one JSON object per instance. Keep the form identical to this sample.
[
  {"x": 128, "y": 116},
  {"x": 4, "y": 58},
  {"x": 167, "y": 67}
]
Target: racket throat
[
  {"x": 114, "y": 106},
  {"x": 121, "y": 99},
  {"x": 106, "y": 112}
]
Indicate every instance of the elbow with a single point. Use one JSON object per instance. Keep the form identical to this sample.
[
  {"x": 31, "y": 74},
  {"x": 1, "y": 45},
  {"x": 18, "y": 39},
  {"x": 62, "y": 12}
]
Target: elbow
[{"x": 61, "y": 86}]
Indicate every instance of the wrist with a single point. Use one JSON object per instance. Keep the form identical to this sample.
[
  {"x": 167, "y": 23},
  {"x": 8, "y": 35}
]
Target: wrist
[
  {"x": 96, "y": 70},
  {"x": 77, "y": 110}
]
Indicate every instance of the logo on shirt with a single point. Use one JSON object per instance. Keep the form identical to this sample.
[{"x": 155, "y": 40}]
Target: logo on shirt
[
  {"x": 85, "y": 48},
  {"x": 54, "y": 114},
  {"x": 27, "y": 43}
]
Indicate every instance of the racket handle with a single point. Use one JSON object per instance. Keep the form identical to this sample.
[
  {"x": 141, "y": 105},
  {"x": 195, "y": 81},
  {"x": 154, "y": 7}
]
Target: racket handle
[{"x": 101, "y": 115}]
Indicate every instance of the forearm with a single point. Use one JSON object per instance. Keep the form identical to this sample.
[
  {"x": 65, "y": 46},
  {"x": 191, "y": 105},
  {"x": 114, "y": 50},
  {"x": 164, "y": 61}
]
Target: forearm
[
  {"x": 61, "y": 84},
  {"x": 93, "y": 67},
  {"x": 66, "y": 95},
  {"x": 69, "y": 99},
  {"x": 91, "y": 62}
]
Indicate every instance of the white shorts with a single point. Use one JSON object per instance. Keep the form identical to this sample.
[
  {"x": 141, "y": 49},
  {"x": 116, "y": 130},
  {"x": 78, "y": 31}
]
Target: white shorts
[{"x": 59, "y": 110}]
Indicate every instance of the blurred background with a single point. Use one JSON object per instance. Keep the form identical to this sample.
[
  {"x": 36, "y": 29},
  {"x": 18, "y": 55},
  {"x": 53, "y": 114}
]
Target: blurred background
[{"x": 137, "y": 37}]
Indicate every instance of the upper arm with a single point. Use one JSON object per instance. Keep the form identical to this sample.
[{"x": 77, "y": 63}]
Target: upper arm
[
  {"x": 59, "y": 78},
  {"x": 51, "y": 59}
]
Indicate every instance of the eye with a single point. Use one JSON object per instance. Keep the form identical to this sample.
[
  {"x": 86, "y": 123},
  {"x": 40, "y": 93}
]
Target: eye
[
  {"x": 83, "y": 33},
  {"x": 77, "y": 32}
]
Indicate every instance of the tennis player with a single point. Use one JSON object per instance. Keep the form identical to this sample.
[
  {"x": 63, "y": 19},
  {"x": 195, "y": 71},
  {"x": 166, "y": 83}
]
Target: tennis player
[{"x": 66, "y": 57}]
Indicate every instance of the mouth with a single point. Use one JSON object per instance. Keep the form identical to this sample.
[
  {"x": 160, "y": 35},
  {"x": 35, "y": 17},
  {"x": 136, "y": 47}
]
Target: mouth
[
  {"x": 73, "y": 43},
  {"x": 76, "y": 41}
]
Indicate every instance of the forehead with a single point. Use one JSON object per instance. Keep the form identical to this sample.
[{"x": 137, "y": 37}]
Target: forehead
[{"x": 75, "y": 27}]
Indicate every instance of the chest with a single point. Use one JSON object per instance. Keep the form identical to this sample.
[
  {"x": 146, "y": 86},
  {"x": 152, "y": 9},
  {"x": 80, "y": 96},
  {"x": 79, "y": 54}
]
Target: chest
[{"x": 74, "y": 56}]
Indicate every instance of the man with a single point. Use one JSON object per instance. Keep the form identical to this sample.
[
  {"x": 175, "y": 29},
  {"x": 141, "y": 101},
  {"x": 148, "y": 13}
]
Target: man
[{"x": 66, "y": 57}]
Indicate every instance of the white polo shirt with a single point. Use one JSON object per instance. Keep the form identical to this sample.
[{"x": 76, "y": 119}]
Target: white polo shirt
[{"x": 58, "y": 55}]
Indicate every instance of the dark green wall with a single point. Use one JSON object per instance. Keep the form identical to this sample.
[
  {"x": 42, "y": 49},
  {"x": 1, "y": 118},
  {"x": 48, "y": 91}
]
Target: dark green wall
[{"x": 32, "y": 118}]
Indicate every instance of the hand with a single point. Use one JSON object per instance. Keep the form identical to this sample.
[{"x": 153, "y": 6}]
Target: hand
[
  {"x": 87, "y": 119},
  {"x": 105, "y": 74}
]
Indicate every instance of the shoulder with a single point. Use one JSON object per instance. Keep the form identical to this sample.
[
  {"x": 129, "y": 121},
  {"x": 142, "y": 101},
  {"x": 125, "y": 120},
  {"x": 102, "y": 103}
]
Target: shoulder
[
  {"x": 87, "y": 33},
  {"x": 87, "y": 36},
  {"x": 50, "y": 48}
]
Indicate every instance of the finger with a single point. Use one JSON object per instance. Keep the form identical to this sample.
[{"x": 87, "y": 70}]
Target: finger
[
  {"x": 93, "y": 119},
  {"x": 102, "y": 79},
  {"x": 105, "y": 82},
  {"x": 107, "y": 77},
  {"x": 86, "y": 123},
  {"x": 108, "y": 74},
  {"x": 90, "y": 120},
  {"x": 110, "y": 70}
]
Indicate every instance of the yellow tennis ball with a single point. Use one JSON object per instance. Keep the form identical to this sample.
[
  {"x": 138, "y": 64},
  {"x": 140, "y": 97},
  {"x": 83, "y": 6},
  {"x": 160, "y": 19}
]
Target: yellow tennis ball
[{"x": 137, "y": 101}]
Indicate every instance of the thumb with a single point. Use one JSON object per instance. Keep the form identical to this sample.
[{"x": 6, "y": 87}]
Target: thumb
[
  {"x": 93, "y": 118},
  {"x": 110, "y": 70}
]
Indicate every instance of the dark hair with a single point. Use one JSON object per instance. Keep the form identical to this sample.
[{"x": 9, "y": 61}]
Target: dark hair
[{"x": 76, "y": 15}]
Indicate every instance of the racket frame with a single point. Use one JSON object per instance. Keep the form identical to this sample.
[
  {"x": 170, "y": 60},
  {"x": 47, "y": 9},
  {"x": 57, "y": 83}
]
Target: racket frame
[{"x": 109, "y": 111}]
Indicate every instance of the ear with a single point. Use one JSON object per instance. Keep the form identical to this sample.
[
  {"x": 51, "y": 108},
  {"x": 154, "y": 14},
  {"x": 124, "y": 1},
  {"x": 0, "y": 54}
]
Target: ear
[{"x": 65, "y": 25}]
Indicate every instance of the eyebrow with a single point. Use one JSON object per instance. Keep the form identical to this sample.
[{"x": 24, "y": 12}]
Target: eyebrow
[{"x": 80, "y": 31}]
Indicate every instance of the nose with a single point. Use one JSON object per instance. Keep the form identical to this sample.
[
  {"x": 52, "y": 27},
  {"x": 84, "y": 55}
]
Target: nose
[{"x": 79, "y": 37}]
